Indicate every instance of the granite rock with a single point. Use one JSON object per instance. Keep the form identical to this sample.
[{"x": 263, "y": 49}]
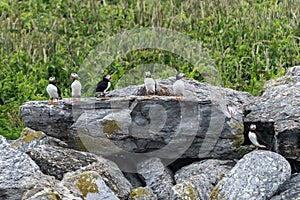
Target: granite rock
[
  {"x": 157, "y": 177},
  {"x": 257, "y": 175},
  {"x": 15, "y": 168}
]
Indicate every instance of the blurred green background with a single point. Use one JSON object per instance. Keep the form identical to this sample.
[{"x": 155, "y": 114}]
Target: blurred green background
[{"x": 250, "y": 42}]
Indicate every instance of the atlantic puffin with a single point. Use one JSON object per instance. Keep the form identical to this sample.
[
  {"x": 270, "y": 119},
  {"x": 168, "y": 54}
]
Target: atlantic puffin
[
  {"x": 75, "y": 87},
  {"x": 103, "y": 86},
  {"x": 149, "y": 84},
  {"x": 53, "y": 91},
  {"x": 254, "y": 137},
  {"x": 178, "y": 86}
]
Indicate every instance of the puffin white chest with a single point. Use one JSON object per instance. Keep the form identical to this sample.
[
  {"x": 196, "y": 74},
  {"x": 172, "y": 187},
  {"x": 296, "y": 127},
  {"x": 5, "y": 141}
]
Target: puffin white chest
[
  {"x": 76, "y": 88},
  {"x": 149, "y": 84},
  {"x": 52, "y": 91},
  {"x": 178, "y": 87},
  {"x": 253, "y": 138}
]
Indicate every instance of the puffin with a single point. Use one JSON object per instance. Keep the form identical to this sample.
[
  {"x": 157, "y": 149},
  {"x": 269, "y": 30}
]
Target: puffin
[
  {"x": 178, "y": 86},
  {"x": 254, "y": 137},
  {"x": 75, "y": 87},
  {"x": 149, "y": 84},
  {"x": 103, "y": 86},
  {"x": 53, "y": 91}
]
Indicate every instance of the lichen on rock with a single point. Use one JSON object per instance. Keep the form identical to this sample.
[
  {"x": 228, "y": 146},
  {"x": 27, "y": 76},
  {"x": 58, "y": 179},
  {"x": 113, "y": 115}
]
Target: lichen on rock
[
  {"x": 110, "y": 127},
  {"x": 86, "y": 183},
  {"x": 139, "y": 192}
]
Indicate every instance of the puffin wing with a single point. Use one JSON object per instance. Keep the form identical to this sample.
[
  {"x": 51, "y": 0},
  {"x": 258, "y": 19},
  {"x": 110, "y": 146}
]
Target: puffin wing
[
  {"x": 52, "y": 91},
  {"x": 101, "y": 86}
]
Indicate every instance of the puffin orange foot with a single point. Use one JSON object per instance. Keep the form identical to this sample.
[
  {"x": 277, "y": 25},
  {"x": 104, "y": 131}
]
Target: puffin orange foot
[
  {"x": 179, "y": 98},
  {"x": 255, "y": 149},
  {"x": 50, "y": 102}
]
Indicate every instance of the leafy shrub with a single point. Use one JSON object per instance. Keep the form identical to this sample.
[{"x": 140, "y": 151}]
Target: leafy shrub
[{"x": 250, "y": 41}]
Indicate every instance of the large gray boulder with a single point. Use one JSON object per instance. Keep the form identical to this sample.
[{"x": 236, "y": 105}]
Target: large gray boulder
[
  {"x": 30, "y": 139},
  {"x": 15, "y": 168},
  {"x": 157, "y": 177},
  {"x": 289, "y": 189},
  {"x": 57, "y": 161},
  {"x": 276, "y": 113},
  {"x": 128, "y": 123},
  {"x": 257, "y": 175},
  {"x": 44, "y": 187},
  {"x": 90, "y": 184},
  {"x": 111, "y": 175},
  {"x": 196, "y": 181},
  {"x": 213, "y": 168},
  {"x": 196, "y": 187}
]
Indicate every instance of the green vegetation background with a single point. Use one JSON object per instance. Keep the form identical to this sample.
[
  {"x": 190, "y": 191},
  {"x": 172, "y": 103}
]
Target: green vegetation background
[{"x": 251, "y": 41}]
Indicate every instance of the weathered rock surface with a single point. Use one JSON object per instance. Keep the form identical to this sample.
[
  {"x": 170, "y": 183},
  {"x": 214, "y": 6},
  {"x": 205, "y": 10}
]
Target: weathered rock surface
[
  {"x": 196, "y": 187},
  {"x": 30, "y": 138},
  {"x": 289, "y": 189},
  {"x": 277, "y": 112},
  {"x": 57, "y": 161},
  {"x": 198, "y": 127},
  {"x": 213, "y": 168},
  {"x": 15, "y": 168},
  {"x": 90, "y": 184},
  {"x": 157, "y": 177},
  {"x": 111, "y": 175},
  {"x": 256, "y": 176},
  {"x": 53, "y": 120},
  {"x": 197, "y": 180},
  {"x": 43, "y": 187},
  {"x": 134, "y": 179}
]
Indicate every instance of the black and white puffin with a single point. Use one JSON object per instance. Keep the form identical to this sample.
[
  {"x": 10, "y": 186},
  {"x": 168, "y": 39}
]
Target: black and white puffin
[
  {"x": 255, "y": 138},
  {"x": 178, "y": 86},
  {"x": 75, "y": 87},
  {"x": 103, "y": 86},
  {"x": 149, "y": 84},
  {"x": 53, "y": 91}
]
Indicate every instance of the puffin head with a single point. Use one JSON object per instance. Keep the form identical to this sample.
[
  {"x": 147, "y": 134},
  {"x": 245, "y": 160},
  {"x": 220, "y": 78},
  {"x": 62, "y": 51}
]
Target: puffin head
[
  {"x": 107, "y": 77},
  {"x": 148, "y": 74},
  {"x": 52, "y": 80},
  {"x": 252, "y": 127},
  {"x": 179, "y": 75},
  {"x": 74, "y": 76}
]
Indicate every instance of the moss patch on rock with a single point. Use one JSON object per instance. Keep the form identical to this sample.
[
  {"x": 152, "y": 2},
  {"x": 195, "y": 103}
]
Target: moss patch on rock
[
  {"x": 139, "y": 192},
  {"x": 110, "y": 127},
  {"x": 238, "y": 140},
  {"x": 29, "y": 136},
  {"x": 186, "y": 190}
]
